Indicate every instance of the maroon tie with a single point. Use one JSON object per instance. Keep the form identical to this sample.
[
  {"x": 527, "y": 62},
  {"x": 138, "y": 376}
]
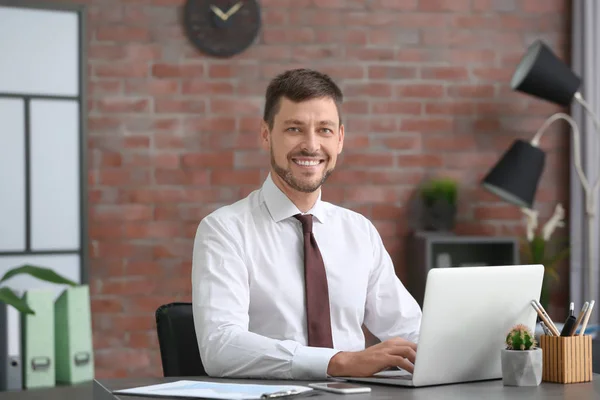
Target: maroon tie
[{"x": 317, "y": 294}]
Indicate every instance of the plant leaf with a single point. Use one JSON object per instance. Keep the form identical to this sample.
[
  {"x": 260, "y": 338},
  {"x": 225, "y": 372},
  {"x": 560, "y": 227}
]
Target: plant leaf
[
  {"x": 552, "y": 274},
  {"x": 525, "y": 248},
  {"x": 537, "y": 248},
  {"x": 42, "y": 273},
  {"x": 9, "y": 297},
  {"x": 440, "y": 189},
  {"x": 559, "y": 256}
]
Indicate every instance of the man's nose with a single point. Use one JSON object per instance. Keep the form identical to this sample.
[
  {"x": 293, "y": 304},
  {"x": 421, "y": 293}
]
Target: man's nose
[{"x": 311, "y": 141}]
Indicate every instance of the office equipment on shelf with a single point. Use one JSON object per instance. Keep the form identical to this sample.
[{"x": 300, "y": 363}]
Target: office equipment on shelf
[
  {"x": 213, "y": 390},
  {"x": 38, "y": 340},
  {"x": 10, "y": 349},
  {"x": 426, "y": 250},
  {"x": 73, "y": 336},
  {"x": 466, "y": 314}
]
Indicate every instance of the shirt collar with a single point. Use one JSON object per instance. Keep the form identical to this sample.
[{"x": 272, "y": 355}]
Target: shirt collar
[{"x": 281, "y": 207}]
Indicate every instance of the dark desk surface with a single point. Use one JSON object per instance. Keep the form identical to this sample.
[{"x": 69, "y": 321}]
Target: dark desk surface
[
  {"x": 81, "y": 391},
  {"x": 492, "y": 390}
]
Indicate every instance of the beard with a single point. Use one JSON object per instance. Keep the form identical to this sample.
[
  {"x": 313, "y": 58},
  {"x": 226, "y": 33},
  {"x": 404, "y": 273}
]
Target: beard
[{"x": 297, "y": 184}]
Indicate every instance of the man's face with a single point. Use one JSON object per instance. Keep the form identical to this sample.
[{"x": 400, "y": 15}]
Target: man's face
[{"x": 304, "y": 143}]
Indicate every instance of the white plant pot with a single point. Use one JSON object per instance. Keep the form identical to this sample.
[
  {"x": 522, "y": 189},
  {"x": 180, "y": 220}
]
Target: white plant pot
[{"x": 522, "y": 367}]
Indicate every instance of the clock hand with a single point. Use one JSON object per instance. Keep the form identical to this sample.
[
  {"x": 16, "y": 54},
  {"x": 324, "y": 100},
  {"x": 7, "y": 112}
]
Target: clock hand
[
  {"x": 234, "y": 9},
  {"x": 219, "y": 13}
]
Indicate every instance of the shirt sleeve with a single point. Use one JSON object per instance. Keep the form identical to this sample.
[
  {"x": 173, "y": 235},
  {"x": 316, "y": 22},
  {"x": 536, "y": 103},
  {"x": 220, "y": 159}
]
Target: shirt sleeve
[
  {"x": 220, "y": 298},
  {"x": 391, "y": 311}
]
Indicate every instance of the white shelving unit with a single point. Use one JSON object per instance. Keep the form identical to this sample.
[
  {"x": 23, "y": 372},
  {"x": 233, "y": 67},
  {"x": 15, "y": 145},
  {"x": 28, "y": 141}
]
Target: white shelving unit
[{"x": 43, "y": 170}]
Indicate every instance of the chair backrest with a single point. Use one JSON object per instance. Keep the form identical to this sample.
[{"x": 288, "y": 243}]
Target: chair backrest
[{"x": 177, "y": 340}]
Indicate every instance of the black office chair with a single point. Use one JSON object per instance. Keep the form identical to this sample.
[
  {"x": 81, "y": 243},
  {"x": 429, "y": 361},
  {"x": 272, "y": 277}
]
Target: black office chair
[{"x": 177, "y": 340}]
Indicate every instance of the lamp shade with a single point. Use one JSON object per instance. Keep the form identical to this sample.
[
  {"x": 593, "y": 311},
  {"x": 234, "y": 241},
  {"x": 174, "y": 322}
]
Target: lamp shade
[
  {"x": 516, "y": 176},
  {"x": 541, "y": 74}
]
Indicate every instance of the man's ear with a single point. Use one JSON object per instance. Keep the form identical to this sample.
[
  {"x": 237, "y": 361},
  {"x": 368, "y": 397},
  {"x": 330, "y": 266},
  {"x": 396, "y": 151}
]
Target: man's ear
[
  {"x": 341, "y": 139},
  {"x": 265, "y": 139}
]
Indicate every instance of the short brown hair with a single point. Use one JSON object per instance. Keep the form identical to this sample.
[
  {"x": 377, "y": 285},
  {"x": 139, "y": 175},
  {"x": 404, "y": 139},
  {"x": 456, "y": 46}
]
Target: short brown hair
[{"x": 299, "y": 85}]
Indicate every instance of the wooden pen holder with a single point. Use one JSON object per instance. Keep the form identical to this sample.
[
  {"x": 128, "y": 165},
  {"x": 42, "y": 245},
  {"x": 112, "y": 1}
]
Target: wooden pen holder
[{"x": 566, "y": 359}]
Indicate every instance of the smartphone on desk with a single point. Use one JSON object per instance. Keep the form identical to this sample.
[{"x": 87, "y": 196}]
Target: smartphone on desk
[{"x": 340, "y": 387}]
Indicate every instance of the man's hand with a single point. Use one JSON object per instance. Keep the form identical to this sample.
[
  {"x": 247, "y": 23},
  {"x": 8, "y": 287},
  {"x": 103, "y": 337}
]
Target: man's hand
[{"x": 395, "y": 352}]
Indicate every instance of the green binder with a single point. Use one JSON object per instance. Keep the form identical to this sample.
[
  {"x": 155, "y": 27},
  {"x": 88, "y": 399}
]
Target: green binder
[
  {"x": 37, "y": 339},
  {"x": 73, "y": 333}
]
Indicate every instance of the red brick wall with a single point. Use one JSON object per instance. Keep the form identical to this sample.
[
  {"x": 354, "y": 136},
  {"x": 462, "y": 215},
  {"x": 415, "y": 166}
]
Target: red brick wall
[{"x": 173, "y": 133}]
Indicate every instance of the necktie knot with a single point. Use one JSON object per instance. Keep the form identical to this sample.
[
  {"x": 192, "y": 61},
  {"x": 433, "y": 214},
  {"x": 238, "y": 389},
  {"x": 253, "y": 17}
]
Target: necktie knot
[{"x": 307, "y": 222}]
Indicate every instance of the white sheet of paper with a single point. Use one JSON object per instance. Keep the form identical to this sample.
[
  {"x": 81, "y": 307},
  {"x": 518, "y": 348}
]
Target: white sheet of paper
[{"x": 210, "y": 390}]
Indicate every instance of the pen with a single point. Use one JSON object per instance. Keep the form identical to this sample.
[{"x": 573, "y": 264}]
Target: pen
[
  {"x": 570, "y": 322},
  {"x": 580, "y": 317},
  {"x": 551, "y": 326},
  {"x": 545, "y": 319},
  {"x": 586, "y": 318},
  {"x": 545, "y": 328}
]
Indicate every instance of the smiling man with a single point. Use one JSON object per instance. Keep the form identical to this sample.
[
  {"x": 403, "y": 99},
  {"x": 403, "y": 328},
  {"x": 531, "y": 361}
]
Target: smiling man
[{"x": 283, "y": 281}]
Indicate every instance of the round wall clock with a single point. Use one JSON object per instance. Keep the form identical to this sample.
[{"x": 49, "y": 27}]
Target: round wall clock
[{"x": 222, "y": 28}]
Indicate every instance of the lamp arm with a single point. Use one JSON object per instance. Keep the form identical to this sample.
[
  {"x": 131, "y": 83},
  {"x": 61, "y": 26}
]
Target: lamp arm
[
  {"x": 590, "y": 203},
  {"x": 595, "y": 120},
  {"x": 588, "y": 108},
  {"x": 590, "y": 193}
]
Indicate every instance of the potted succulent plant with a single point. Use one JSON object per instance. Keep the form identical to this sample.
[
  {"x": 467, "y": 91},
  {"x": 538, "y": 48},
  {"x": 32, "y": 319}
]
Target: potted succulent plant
[
  {"x": 521, "y": 359},
  {"x": 438, "y": 200}
]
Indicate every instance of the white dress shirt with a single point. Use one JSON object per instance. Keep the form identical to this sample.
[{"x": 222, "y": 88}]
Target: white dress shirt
[{"x": 248, "y": 287}]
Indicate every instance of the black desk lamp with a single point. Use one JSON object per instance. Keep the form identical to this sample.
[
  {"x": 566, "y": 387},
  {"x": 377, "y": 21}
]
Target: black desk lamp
[
  {"x": 543, "y": 75},
  {"x": 516, "y": 176}
]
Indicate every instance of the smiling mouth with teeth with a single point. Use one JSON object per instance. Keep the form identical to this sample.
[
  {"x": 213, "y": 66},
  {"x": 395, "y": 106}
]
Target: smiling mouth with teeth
[{"x": 307, "y": 163}]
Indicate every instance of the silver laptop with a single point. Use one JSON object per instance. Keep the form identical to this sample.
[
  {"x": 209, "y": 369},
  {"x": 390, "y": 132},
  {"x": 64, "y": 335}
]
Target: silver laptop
[{"x": 467, "y": 312}]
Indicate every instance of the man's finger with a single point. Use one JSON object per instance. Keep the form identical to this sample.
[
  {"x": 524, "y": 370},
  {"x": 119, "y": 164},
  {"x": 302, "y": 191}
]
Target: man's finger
[
  {"x": 412, "y": 345},
  {"x": 404, "y": 351},
  {"x": 399, "y": 361},
  {"x": 403, "y": 342}
]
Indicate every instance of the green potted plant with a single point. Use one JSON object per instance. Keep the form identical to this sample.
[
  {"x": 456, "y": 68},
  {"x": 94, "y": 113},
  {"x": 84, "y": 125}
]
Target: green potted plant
[
  {"x": 521, "y": 358},
  {"x": 439, "y": 203},
  {"x": 9, "y": 297},
  {"x": 538, "y": 248}
]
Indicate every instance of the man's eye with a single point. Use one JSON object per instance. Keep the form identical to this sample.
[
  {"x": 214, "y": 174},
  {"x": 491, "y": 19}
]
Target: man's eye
[{"x": 293, "y": 129}]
